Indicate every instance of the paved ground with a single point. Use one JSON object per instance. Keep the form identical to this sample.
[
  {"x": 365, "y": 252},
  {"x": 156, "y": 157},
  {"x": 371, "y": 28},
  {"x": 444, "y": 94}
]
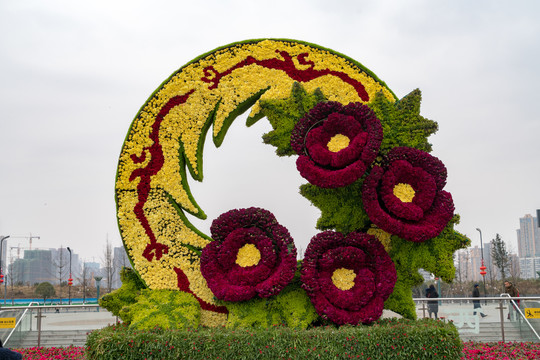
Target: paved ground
[
  {"x": 451, "y": 310},
  {"x": 80, "y": 320}
]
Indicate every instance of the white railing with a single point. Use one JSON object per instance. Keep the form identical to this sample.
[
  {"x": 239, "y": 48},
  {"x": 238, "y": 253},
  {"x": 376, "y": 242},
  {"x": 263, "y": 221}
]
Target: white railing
[
  {"x": 40, "y": 309},
  {"x": 19, "y": 322},
  {"x": 465, "y": 320}
]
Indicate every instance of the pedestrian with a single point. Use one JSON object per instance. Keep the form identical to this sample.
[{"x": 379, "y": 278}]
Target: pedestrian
[
  {"x": 513, "y": 291},
  {"x": 476, "y": 303},
  {"x": 433, "y": 305},
  {"x": 6, "y": 354}
]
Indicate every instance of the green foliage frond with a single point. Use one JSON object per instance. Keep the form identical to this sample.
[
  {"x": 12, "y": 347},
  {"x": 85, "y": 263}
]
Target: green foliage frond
[{"x": 284, "y": 114}]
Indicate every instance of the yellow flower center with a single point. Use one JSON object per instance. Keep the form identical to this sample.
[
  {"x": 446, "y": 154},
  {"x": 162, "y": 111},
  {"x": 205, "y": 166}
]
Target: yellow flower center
[
  {"x": 404, "y": 192},
  {"x": 248, "y": 255},
  {"x": 343, "y": 278},
  {"x": 338, "y": 142}
]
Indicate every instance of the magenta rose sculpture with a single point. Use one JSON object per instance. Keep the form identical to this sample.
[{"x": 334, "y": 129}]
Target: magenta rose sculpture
[
  {"x": 404, "y": 196},
  {"x": 347, "y": 277},
  {"x": 336, "y": 143},
  {"x": 251, "y": 255}
]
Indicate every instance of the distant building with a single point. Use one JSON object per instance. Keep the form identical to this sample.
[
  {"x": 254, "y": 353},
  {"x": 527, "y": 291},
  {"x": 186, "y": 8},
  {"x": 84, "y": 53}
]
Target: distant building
[
  {"x": 92, "y": 270},
  {"x": 35, "y": 267},
  {"x": 528, "y": 237},
  {"x": 60, "y": 262},
  {"x": 120, "y": 260},
  {"x": 425, "y": 274},
  {"x": 529, "y": 267},
  {"x": 468, "y": 262}
]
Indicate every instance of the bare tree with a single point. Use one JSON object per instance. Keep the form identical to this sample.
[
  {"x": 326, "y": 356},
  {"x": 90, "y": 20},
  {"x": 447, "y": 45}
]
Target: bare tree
[
  {"x": 492, "y": 275},
  {"x": 59, "y": 264},
  {"x": 467, "y": 265},
  {"x": 108, "y": 264},
  {"x": 513, "y": 267},
  {"x": 84, "y": 279}
]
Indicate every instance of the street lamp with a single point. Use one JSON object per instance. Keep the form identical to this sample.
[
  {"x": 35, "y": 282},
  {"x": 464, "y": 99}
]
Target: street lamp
[
  {"x": 483, "y": 267},
  {"x": 98, "y": 280},
  {"x": 70, "y": 280},
  {"x": 1, "y": 248}
]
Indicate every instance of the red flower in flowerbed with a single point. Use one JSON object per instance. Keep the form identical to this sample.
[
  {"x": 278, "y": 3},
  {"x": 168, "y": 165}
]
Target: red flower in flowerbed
[
  {"x": 252, "y": 254},
  {"x": 404, "y": 196},
  {"x": 336, "y": 143},
  {"x": 42, "y": 353},
  {"x": 348, "y": 277},
  {"x": 501, "y": 350}
]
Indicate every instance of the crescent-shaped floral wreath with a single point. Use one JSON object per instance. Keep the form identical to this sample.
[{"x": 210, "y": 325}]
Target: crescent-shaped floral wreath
[{"x": 355, "y": 147}]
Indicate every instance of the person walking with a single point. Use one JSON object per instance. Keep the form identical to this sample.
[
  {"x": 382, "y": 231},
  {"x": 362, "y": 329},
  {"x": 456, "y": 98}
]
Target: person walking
[
  {"x": 433, "y": 305},
  {"x": 513, "y": 291},
  {"x": 476, "y": 303}
]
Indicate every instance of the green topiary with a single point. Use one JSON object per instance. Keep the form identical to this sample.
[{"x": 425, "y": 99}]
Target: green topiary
[
  {"x": 167, "y": 309},
  {"x": 291, "y": 307},
  {"x": 284, "y": 114},
  {"x": 402, "y": 123},
  {"x": 434, "y": 255},
  {"x": 125, "y": 295}
]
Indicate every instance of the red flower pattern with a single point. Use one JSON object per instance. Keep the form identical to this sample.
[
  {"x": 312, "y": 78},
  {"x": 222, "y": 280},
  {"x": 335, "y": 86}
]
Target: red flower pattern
[
  {"x": 430, "y": 209},
  {"x": 311, "y": 135},
  {"x": 231, "y": 231},
  {"x": 374, "y": 276}
]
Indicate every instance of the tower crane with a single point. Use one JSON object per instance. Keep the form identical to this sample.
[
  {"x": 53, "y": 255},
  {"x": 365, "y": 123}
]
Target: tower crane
[{"x": 26, "y": 237}]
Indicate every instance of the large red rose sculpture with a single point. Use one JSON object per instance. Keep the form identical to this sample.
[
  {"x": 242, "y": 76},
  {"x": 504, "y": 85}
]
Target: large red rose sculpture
[
  {"x": 404, "y": 196},
  {"x": 336, "y": 143},
  {"x": 348, "y": 277},
  {"x": 251, "y": 255}
]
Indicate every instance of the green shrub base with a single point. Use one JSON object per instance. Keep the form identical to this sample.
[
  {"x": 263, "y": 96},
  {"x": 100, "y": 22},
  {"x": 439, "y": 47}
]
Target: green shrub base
[{"x": 386, "y": 339}]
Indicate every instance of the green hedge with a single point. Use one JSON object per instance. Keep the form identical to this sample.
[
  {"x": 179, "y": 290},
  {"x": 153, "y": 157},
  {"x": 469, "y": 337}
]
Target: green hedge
[{"x": 386, "y": 339}]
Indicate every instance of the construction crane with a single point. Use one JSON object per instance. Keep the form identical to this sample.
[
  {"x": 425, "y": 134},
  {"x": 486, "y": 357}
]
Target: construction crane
[
  {"x": 11, "y": 248},
  {"x": 26, "y": 237}
]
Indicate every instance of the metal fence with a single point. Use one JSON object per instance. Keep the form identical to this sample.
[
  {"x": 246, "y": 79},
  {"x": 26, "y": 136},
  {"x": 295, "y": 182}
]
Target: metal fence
[
  {"x": 501, "y": 318},
  {"x": 30, "y": 319}
]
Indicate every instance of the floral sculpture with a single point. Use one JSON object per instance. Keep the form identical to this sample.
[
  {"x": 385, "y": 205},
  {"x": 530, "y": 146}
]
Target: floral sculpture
[
  {"x": 251, "y": 255},
  {"x": 405, "y": 197},
  {"x": 336, "y": 143},
  {"x": 363, "y": 151},
  {"x": 348, "y": 277}
]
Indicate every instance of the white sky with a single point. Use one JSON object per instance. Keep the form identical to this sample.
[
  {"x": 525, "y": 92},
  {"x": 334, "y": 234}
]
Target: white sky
[{"x": 73, "y": 75}]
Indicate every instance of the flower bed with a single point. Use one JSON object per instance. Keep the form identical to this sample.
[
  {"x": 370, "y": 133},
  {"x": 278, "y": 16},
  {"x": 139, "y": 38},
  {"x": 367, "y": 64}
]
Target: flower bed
[
  {"x": 471, "y": 351},
  {"x": 42, "y": 353}
]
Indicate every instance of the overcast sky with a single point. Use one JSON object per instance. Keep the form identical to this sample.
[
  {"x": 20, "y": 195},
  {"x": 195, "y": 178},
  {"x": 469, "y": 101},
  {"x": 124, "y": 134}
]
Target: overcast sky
[{"x": 73, "y": 75}]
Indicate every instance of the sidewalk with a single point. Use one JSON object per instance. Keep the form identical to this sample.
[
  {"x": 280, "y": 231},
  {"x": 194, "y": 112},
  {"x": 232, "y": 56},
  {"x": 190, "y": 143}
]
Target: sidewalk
[
  {"x": 450, "y": 311},
  {"x": 72, "y": 320}
]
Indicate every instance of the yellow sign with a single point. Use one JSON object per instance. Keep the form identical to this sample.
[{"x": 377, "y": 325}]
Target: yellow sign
[
  {"x": 7, "y": 323},
  {"x": 532, "y": 313}
]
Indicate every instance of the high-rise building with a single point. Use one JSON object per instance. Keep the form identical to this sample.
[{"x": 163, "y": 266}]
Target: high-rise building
[
  {"x": 468, "y": 262},
  {"x": 528, "y": 236},
  {"x": 120, "y": 260},
  {"x": 35, "y": 267}
]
